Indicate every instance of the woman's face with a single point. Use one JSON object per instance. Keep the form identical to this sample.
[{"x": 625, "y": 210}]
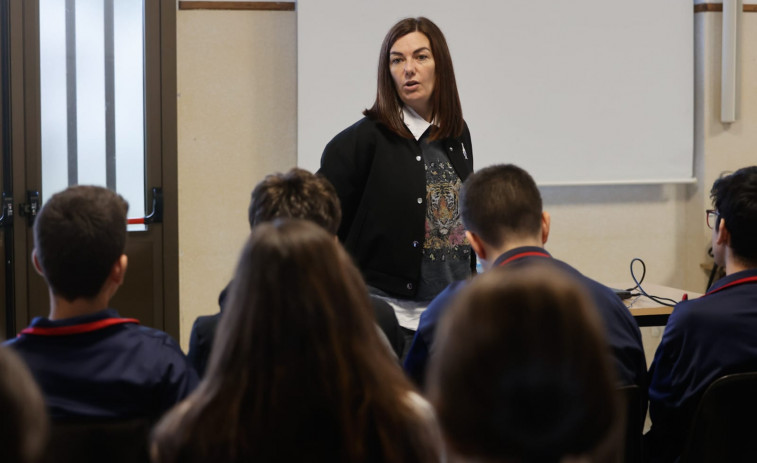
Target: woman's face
[{"x": 414, "y": 72}]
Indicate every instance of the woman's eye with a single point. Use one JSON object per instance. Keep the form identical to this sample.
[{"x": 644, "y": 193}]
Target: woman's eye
[
  {"x": 394, "y": 61},
  {"x": 422, "y": 57}
]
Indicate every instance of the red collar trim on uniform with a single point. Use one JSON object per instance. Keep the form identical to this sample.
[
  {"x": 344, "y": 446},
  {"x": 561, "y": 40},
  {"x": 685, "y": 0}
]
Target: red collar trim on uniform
[
  {"x": 524, "y": 254},
  {"x": 77, "y": 329},
  {"x": 740, "y": 281}
]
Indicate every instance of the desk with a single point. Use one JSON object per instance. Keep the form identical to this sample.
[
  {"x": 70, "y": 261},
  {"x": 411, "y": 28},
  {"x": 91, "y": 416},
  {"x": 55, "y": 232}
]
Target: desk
[{"x": 648, "y": 312}]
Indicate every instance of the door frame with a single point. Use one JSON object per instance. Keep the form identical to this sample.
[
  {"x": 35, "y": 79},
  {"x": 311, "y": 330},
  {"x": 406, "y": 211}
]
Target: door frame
[{"x": 160, "y": 145}]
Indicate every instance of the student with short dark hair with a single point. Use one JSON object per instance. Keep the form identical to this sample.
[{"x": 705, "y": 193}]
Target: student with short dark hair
[
  {"x": 522, "y": 372},
  {"x": 24, "y": 425},
  {"x": 714, "y": 335},
  {"x": 294, "y": 194},
  {"x": 502, "y": 211},
  {"x": 89, "y": 361},
  {"x": 298, "y": 372}
]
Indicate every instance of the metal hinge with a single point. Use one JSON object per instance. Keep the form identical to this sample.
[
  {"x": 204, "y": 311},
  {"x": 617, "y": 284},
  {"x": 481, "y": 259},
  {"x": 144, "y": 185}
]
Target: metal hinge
[
  {"x": 7, "y": 213},
  {"x": 30, "y": 208}
]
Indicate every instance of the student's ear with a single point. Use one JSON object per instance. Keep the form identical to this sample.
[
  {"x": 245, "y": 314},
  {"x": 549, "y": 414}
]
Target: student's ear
[
  {"x": 35, "y": 261},
  {"x": 724, "y": 236},
  {"x": 118, "y": 271},
  {"x": 476, "y": 244},
  {"x": 546, "y": 220}
]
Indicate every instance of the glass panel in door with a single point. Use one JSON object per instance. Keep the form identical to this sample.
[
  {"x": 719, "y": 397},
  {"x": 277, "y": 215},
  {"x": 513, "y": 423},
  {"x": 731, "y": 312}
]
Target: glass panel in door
[{"x": 92, "y": 102}]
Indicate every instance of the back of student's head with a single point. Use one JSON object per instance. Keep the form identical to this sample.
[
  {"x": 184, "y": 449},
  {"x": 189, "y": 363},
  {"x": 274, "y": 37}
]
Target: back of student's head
[
  {"x": 735, "y": 198},
  {"x": 78, "y": 235},
  {"x": 521, "y": 372},
  {"x": 23, "y": 418},
  {"x": 297, "y": 371},
  {"x": 500, "y": 202},
  {"x": 297, "y": 194}
]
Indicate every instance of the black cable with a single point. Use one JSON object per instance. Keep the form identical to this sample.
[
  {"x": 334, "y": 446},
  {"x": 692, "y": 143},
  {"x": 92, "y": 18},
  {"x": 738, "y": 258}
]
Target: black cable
[
  {"x": 657, "y": 299},
  {"x": 643, "y": 274}
]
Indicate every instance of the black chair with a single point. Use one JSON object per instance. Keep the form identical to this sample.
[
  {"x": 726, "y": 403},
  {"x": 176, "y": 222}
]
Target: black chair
[
  {"x": 99, "y": 441},
  {"x": 724, "y": 427},
  {"x": 636, "y": 410}
]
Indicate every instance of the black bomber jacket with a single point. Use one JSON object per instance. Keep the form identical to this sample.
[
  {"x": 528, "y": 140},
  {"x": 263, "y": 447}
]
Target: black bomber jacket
[{"x": 381, "y": 182}]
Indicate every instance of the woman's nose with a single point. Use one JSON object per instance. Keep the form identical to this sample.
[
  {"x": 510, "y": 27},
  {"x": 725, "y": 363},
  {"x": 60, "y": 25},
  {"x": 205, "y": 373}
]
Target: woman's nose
[{"x": 409, "y": 67}]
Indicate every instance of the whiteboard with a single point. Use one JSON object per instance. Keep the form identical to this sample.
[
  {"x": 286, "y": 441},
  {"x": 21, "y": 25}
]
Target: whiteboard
[{"x": 581, "y": 92}]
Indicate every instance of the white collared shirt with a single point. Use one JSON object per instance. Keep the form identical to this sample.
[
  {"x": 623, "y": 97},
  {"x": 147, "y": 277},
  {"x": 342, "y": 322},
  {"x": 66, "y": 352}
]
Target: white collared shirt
[{"x": 415, "y": 123}]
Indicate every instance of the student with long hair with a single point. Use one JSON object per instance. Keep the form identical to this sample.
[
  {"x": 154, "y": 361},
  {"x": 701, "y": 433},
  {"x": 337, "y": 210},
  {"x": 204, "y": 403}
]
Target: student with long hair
[
  {"x": 297, "y": 371},
  {"x": 523, "y": 372},
  {"x": 296, "y": 194}
]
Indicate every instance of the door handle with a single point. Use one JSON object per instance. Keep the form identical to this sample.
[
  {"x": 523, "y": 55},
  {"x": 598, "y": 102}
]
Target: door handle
[{"x": 156, "y": 215}]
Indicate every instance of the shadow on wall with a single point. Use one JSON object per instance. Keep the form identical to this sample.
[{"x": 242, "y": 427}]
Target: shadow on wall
[{"x": 619, "y": 194}]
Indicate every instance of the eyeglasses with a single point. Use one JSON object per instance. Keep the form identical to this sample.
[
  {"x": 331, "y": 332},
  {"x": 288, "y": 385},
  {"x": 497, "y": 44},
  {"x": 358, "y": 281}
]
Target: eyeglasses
[{"x": 712, "y": 217}]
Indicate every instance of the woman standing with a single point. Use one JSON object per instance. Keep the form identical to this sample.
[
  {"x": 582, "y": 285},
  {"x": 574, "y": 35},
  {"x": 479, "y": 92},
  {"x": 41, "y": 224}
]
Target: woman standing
[{"x": 398, "y": 172}]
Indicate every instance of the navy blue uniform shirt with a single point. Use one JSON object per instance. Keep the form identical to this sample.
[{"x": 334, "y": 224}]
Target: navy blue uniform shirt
[
  {"x": 104, "y": 366},
  {"x": 621, "y": 330},
  {"x": 705, "y": 338}
]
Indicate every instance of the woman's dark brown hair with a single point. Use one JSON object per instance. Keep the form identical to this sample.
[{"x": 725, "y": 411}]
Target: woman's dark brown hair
[
  {"x": 522, "y": 372},
  {"x": 446, "y": 112},
  {"x": 297, "y": 371}
]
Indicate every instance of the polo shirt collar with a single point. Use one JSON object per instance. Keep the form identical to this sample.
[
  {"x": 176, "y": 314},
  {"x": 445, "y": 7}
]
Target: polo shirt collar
[
  {"x": 523, "y": 251},
  {"x": 743, "y": 276},
  {"x": 43, "y": 322}
]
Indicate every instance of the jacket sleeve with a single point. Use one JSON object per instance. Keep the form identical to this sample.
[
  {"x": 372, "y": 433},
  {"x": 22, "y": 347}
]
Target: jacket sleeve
[
  {"x": 415, "y": 362},
  {"x": 468, "y": 144},
  {"x": 345, "y": 162},
  {"x": 669, "y": 416},
  {"x": 179, "y": 378}
]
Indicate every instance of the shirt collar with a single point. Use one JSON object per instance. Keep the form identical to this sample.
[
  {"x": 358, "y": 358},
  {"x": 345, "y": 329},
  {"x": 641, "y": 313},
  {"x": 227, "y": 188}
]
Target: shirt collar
[
  {"x": 524, "y": 251},
  {"x": 415, "y": 123},
  {"x": 71, "y": 321},
  {"x": 732, "y": 279}
]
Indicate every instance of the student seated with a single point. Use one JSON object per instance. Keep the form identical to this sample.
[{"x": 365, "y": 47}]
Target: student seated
[
  {"x": 298, "y": 372},
  {"x": 24, "y": 425},
  {"x": 90, "y": 362},
  {"x": 296, "y": 194},
  {"x": 714, "y": 335},
  {"x": 502, "y": 211},
  {"x": 522, "y": 372}
]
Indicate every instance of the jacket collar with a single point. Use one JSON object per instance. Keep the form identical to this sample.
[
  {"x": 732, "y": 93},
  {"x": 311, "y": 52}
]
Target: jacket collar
[
  {"x": 734, "y": 279},
  {"x": 519, "y": 253}
]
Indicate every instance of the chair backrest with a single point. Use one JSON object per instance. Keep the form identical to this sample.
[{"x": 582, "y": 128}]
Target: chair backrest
[
  {"x": 724, "y": 427},
  {"x": 99, "y": 441},
  {"x": 636, "y": 410}
]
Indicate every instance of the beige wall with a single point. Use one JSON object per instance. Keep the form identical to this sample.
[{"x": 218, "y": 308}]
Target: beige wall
[
  {"x": 237, "y": 107},
  {"x": 237, "y": 122}
]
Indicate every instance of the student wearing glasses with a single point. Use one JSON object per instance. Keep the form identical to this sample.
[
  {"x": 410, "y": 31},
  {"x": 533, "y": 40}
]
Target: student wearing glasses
[{"x": 714, "y": 335}]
